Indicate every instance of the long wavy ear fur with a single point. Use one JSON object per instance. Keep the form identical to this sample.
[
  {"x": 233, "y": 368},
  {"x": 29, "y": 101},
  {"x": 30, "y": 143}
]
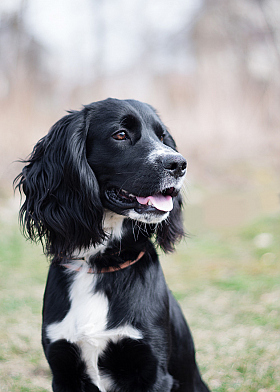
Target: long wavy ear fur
[
  {"x": 62, "y": 207},
  {"x": 171, "y": 231}
]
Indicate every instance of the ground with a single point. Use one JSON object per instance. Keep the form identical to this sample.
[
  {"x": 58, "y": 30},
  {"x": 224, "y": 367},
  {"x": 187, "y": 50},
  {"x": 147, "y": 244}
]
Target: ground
[{"x": 227, "y": 281}]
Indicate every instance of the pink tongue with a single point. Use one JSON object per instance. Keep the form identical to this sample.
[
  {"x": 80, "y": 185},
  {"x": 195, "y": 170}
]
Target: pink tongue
[{"x": 160, "y": 202}]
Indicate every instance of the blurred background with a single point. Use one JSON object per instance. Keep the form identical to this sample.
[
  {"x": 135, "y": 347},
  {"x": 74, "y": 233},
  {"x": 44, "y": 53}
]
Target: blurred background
[{"x": 212, "y": 70}]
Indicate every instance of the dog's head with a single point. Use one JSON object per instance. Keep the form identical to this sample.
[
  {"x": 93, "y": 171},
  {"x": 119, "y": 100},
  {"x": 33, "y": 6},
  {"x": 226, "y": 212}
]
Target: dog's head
[{"x": 114, "y": 155}]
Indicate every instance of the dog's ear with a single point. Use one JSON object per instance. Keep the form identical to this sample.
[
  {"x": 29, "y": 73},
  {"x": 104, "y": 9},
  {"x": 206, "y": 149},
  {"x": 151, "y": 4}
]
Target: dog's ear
[
  {"x": 62, "y": 206},
  {"x": 171, "y": 231}
]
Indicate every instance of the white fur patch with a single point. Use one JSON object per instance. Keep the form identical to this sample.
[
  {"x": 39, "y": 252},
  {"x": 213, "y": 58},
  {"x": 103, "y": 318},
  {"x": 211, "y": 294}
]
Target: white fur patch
[
  {"x": 148, "y": 217},
  {"x": 159, "y": 151},
  {"x": 85, "y": 325},
  {"x": 113, "y": 224}
]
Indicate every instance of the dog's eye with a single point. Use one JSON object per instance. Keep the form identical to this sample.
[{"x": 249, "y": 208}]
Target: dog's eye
[{"x": 121, "y": 135}]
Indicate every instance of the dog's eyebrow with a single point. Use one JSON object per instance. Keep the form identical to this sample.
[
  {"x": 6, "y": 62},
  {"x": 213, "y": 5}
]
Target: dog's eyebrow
[
  {"x": 130, "y": 122},
  {"x": 158, "y": 128}
]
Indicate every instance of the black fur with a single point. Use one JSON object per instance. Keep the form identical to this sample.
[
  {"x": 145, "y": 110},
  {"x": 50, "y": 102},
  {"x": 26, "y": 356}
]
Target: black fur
[
  {"x": 93, "y": 161},
  {"x": 135, "y": 372},
  {"x": 68, "y": 369}
]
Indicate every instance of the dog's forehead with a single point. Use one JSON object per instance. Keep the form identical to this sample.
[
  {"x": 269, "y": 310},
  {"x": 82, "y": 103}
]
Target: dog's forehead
[
  {"x": 148, "y": 114},
  {"x": 143, "y": 109},
  {"x": 114, "y": 110}
]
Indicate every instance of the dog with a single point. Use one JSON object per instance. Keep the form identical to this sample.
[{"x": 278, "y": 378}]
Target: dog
[{"x": 102, "y": 191}]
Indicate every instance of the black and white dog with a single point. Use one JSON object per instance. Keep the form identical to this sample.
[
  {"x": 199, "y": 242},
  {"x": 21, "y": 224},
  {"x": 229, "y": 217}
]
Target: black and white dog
[{"x": 100, "y": 189}]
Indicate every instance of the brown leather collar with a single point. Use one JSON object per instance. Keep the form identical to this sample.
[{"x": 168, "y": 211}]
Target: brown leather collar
[{"x": 105, "y": 269}]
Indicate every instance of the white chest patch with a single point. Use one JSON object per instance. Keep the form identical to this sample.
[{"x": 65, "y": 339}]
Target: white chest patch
[{"x": 85, "y": 325}]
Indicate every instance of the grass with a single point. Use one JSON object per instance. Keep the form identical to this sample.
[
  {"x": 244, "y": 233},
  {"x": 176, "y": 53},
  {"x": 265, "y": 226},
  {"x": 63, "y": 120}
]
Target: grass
[
  {"x": 229, "y": 288},
  {"x": 228, "y": 284},
  {"x": 22, "y": 276}
]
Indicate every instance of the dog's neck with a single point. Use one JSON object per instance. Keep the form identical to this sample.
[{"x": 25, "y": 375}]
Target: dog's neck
[
  {"x": 113, "y": 227},
  {"x": 125, "y": 243},
  {"x": 123, "y": 247}
]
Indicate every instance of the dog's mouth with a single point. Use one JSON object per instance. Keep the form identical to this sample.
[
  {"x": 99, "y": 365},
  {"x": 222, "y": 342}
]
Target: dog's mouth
[{"x": 160, "y": 202}]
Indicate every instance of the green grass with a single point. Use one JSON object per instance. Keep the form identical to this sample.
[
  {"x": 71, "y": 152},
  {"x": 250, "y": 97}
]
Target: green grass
[
  {"x": 228, "y": 284},
  {"x": 23, "y": 272}
]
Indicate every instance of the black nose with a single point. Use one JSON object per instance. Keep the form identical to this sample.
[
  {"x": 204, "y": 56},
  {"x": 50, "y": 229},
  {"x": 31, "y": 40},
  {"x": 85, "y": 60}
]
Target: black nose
[{"x": 175, "y": 164}]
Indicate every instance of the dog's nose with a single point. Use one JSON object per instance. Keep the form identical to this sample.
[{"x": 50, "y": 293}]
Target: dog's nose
[{"x": 176, "y": 165}]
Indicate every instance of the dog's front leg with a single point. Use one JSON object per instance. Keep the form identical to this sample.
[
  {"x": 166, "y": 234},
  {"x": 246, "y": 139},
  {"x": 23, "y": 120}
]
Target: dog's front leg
[{"x": 68, "y": 368}]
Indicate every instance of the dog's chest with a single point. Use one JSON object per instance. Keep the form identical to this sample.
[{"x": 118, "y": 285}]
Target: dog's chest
[{"x": 85, "y": 325}]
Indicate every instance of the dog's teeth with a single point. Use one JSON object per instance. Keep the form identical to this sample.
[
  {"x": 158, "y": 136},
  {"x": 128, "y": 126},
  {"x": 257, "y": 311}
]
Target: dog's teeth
[{"x": 150, "y": 203}]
